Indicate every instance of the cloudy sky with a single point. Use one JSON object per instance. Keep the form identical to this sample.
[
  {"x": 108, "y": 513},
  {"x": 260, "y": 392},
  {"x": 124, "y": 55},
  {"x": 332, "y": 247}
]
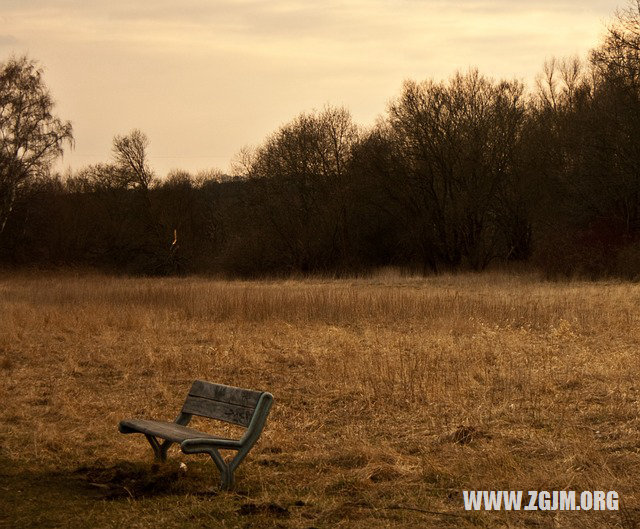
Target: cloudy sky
[{"x": 203, "y": 78}]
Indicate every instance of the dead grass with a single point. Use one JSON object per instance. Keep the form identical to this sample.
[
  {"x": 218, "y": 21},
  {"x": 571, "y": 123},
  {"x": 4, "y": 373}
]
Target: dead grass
[{"x": 393, "y": 394}]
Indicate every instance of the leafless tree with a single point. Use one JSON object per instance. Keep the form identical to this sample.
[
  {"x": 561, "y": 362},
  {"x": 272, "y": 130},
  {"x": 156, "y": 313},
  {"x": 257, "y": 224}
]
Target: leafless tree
[
  {"x": 130, "y": 153},
  {"x": 458, "y": 141},
  {"x": 31, "y": 137},
  {"x": 618, "y": 57},
  {"x": 301, "y": 171}
]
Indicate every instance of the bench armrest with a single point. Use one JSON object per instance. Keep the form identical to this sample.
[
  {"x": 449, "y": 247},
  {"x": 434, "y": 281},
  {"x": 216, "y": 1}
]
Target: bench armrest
[
  {"x": 190, "y": 446},
  {"x": 258, "y": 420}
]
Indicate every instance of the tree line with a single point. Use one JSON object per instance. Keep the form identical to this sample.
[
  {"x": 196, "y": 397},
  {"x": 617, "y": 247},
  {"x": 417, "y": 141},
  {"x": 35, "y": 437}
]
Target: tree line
[{"x": 458, "y": 174}]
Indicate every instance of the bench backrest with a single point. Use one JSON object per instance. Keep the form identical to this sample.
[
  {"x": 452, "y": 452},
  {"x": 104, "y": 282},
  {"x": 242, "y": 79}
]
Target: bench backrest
[{"x": 225, "y": 403}]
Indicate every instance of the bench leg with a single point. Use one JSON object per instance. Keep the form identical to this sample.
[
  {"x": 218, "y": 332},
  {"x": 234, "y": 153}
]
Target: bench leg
[
  {"x": 159, "y": 450},
  {"x": 164, "y": 448},
  {"x": 226, "y": 473},
  {"x": 227, "y": 470}
]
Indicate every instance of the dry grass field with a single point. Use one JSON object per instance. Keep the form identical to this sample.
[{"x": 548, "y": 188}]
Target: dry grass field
[{"x": 393, "y": 394}]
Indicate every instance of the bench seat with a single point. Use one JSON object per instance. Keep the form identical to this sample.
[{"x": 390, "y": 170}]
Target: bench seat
[{"x": 173, "y": 432}]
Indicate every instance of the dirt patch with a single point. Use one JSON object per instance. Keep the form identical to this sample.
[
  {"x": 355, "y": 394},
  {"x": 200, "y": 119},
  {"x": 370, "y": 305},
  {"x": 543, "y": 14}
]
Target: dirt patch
[
  {"x": 131, "y": 480},
  {"x": 273, "y": 509}
]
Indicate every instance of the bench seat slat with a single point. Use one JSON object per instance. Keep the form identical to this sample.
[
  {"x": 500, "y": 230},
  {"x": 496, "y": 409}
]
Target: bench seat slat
[
  {"x": 171, "y": 431},
  {"x": 218, "y": 410}
]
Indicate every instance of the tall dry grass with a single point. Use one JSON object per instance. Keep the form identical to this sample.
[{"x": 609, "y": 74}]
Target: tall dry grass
[{"x": 393, "y": 393}]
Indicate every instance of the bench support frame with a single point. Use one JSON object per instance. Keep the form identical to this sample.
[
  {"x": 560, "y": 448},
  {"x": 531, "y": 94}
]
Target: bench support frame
[{"x": 212, "y": 446}]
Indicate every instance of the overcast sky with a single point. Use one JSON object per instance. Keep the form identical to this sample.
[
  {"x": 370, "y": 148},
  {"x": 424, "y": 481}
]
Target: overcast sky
[{"x": 203, "y": 78}]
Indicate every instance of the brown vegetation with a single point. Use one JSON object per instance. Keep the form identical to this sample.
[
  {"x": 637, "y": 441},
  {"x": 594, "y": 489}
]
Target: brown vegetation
[{"x": 392, "y": 396}]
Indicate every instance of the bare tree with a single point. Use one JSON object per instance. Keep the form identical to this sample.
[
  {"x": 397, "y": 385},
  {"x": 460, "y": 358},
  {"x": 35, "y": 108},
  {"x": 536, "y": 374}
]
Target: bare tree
[
  {"x": 31, "y": 137},
  {"x": 130, "y": 153},
  {"x": 458, "y": 143},
  {"x": 618, "y": 58},
  {"x": 99, "y": 177},
  {"x": 301, "y": 171}
]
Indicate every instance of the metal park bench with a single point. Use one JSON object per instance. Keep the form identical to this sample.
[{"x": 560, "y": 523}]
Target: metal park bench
[{"x": 243, "y": 407}]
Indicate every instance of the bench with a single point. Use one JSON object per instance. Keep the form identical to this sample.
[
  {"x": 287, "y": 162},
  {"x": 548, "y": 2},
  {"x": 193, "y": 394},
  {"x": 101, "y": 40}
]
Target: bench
[{"x": 243, "y": 407}]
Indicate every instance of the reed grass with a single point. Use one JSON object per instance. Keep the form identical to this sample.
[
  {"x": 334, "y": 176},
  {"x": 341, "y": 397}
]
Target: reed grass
[{"x": 393, "y": 394}]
